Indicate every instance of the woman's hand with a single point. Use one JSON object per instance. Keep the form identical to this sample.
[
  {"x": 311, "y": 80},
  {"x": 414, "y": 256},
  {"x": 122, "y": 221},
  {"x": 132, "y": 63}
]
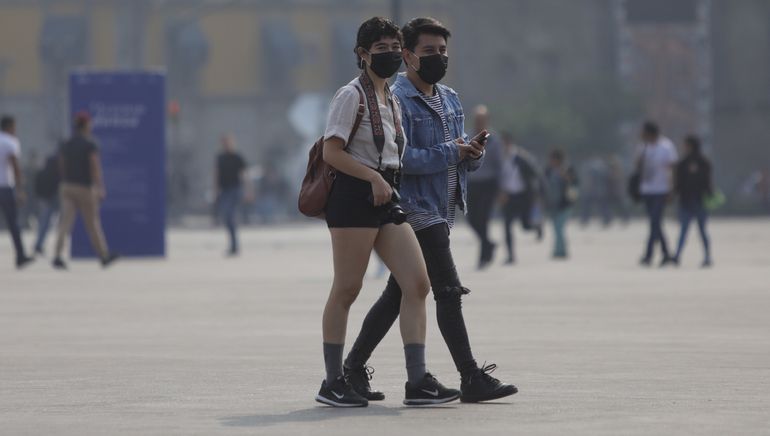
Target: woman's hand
[{"x": 381, "y": 190}]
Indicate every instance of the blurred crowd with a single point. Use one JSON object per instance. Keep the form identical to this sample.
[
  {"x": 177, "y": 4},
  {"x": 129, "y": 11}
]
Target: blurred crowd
[{"x": 516, "y": 184}]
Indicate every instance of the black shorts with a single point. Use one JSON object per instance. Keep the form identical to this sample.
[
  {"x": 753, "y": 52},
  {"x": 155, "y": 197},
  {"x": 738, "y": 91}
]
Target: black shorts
[{"x": 350, "y": 203}]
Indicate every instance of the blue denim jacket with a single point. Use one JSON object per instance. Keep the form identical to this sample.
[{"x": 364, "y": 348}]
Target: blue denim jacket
[{"x": 427, "y": 156}]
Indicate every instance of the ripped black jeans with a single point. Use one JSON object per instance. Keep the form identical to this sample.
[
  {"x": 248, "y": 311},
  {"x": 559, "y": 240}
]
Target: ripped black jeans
[{"x": 447, "y": 291}]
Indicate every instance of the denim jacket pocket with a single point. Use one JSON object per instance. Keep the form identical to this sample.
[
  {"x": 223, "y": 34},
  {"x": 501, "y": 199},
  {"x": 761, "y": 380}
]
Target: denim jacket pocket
[{"x": 423, "y": 131}]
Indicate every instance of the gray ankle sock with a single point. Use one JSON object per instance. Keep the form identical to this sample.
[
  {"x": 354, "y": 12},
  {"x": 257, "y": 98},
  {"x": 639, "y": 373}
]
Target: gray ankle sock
[
  {"x": 415, "y": 362},
  {"x": 333, "y": 361}
]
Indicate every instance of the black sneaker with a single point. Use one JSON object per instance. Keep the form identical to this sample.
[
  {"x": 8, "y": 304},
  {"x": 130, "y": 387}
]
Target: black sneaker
[
  {"x": 359, "y": 379},
  {"x": 107, "y": 261},
  {"x": 429, "y": 391},
  {"x": 23, "y": 261},
  {"x": 59, "y": 264},
  {"x": 340, "y": 393},
  {"x": 480, "y": 386},
  {"x": 668, "y": 260}
]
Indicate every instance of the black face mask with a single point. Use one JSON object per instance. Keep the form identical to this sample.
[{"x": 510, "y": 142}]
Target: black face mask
[
  {"x": 386, "y": 64},
  {"x": 433, "y": 68}
]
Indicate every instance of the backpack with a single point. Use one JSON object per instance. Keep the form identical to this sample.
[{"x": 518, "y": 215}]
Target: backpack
[
  {"x": 319, "y": 177},
  {"x": 47, "y": 179}
]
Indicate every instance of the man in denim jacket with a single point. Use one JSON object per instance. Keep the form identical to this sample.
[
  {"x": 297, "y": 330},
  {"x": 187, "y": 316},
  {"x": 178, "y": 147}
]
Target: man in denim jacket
[{"x": 436, "y": 163}]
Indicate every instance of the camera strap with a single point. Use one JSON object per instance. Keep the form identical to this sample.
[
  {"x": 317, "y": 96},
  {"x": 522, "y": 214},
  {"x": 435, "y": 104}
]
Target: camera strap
[{"x": 378, "y": 130}]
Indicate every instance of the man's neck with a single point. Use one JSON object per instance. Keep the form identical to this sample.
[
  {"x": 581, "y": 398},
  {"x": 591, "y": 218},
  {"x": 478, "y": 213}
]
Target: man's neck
[{"x": 421, "y": 85}]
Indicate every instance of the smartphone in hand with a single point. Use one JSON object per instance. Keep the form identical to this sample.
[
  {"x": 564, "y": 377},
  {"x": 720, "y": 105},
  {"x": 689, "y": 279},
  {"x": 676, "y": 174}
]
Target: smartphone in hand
[{"x": 481, "y": 138}]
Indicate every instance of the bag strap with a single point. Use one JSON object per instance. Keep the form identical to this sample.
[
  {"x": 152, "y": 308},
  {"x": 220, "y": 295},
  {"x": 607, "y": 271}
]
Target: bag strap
[{"x": 359, "y": 116}]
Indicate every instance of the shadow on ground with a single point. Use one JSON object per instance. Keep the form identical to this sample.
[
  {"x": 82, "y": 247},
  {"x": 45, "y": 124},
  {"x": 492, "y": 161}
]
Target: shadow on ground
[
  {"x": 320, "y": 413},
  {"x": 314, "y": 414}
]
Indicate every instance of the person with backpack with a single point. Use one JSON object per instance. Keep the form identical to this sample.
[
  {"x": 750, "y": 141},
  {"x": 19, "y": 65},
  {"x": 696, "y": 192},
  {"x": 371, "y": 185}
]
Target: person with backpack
[
  {"x": 363, "y": 143},
  {"x": 692, "y": 181}
]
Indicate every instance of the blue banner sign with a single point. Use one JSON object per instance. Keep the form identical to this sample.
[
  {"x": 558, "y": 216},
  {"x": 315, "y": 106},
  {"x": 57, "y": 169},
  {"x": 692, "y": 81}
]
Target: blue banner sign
[{"x": 128, "y": 115}]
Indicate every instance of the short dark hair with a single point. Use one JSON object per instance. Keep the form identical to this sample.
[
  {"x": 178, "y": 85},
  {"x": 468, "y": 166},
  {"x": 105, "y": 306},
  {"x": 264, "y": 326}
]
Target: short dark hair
[
  {"x": 693, "y": 141},
  {"x": 373, "y": 30},
  {"x": 651, "y": 128},
  {"x": 418, "y": 26},
  {"x": 82, "y": 120},
  {"x": 6, "y": 122}
]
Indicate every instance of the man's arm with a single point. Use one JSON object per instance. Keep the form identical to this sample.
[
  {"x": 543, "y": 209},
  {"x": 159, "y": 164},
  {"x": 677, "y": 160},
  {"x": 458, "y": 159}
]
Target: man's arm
[
  {"x": 439, "y": 157},
  {"x": 673, "y": 156},
  {"x": 96, "y": 173},
  {"x": 431, "y": 159},
  {"x": 17, "y": 176},
  {"x": 13, "y": 160}
]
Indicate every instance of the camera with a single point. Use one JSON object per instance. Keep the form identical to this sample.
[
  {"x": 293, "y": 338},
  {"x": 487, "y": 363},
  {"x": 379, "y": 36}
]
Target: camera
[{"x": 396, "y": 214}]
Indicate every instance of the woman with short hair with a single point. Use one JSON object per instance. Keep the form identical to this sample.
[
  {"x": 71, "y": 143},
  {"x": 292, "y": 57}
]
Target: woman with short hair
[{"x": 363, "y": 215}]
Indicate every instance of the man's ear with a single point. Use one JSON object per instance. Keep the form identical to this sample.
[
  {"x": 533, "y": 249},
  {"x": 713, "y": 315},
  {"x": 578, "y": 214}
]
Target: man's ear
[{"x": 409, "y": 57}]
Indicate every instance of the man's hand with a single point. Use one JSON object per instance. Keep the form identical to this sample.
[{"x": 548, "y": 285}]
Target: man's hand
[
  {"x": 468, "y": 151},
  {"x": 479, "y": 146},
  {"x": 101, "y": 193}
]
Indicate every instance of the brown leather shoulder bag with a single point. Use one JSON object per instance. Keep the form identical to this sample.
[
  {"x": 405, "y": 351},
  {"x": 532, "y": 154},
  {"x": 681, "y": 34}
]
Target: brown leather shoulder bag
[{"x": 319, "y": 176}]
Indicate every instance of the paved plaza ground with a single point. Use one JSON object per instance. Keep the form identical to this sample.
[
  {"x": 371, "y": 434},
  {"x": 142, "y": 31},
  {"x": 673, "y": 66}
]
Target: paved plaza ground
[{"x": 200, "y": 344}]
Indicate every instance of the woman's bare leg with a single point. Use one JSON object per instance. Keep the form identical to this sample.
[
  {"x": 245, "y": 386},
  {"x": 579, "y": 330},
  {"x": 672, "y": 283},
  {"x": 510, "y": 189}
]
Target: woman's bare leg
[
  {"x": 351, "y": 250},
  {"x": 398, "y": 248}
]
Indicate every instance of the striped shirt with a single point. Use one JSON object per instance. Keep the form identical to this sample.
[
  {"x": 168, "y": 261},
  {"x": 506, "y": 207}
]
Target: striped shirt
[{"x": 423, "y": 220}]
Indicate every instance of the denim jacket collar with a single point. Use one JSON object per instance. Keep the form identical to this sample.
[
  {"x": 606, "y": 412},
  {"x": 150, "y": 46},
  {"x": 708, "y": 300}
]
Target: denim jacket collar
[{"x": 411, "y": 91}]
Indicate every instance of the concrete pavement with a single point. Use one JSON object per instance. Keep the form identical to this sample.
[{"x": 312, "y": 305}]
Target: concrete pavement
[{"x": 201, "y": 344}]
